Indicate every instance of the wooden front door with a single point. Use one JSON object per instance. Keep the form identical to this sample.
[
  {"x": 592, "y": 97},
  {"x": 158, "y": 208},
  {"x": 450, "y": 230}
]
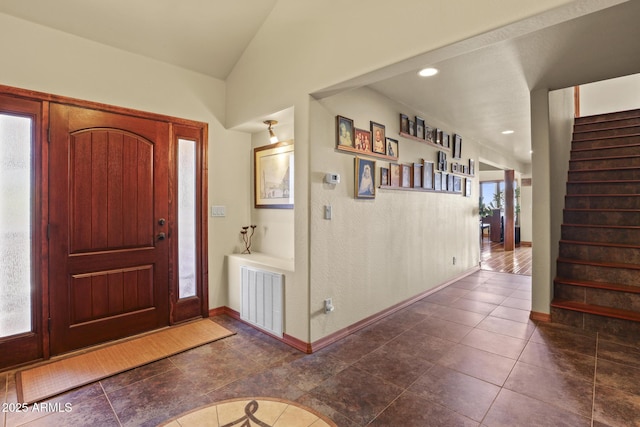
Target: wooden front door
[{"x": 108, "y": 226}]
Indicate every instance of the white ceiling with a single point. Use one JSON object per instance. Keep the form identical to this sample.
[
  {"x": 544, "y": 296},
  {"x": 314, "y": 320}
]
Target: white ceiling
[
  {"x": 177, "y": 32},
  {"x": 482, "y": 91}
]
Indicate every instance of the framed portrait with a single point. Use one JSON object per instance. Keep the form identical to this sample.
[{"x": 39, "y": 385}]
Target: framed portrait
[
  {"x": 454, "y": 167},
  {"x": 416, "y": 181},
  {"x": 450, "y": 182},
  {"x": 442, "y": 161},
  {"x": 378, "y": 138},
  {"x": 406, "y": 176},
  {"x": 363, "y": 140},
  {"x": 429, "y": 134},
  {"x": 457, "y": 184},
  {"x": 438, "y": 136},
  {"x": 445, "y": 181},
  {"x": 467, "y": 187},
  {"x": 446, "y": 142},
  {"x": 457, "y": 146},
  {"x": 394, "y": 175},
  {"x": 472, "y": 167},
  {"x": 437, "y": 181},
  {"x": 365, "y": 183},
  {"x": 419, "y": 127},
  {"x": 384, "y": 176},
  {"x": 392, "y": 148},
  {"x": 427, "y": 175},
  {"x": 412, "y": 128},
  {"x": 344, "y": 132},
  {"x": 404, "y": 123},
  {"x": 273, "y": 176}
]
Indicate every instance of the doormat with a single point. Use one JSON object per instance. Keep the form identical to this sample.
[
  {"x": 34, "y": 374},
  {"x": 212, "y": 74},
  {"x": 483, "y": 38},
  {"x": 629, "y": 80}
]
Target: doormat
[{"x": 53, "y": 378}]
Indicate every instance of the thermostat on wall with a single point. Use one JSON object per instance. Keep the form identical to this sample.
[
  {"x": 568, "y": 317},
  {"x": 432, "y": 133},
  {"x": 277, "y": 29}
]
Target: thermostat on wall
[{"x": 332, "y": 178}]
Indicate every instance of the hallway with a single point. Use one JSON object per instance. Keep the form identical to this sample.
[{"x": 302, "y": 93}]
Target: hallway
[
  {"x": 466, "y": 355},
  {"x": 494, "y": 258}
]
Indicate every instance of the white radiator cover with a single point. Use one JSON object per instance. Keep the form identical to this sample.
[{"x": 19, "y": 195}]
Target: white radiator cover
[{"x": 262, "y": 299}]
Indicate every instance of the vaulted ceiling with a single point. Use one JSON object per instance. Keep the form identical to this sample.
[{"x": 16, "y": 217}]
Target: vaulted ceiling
[{"x": 482, "y": 91}]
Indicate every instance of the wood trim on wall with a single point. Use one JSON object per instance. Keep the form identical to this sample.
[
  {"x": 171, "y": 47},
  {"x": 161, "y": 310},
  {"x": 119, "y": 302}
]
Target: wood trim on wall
[
  {"x": 576, "y": 101},
  {"x": 540, "y": 317},
  {"x": 42, "y": 193},
  {"x": 344, "y": 332}
]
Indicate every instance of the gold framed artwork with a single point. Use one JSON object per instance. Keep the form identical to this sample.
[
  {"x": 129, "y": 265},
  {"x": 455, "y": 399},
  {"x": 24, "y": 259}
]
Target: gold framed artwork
[{"x": 273, "y": 176}]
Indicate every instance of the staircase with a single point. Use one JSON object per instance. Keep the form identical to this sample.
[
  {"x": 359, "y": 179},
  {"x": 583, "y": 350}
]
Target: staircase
[{"x": 598, "y": 269}]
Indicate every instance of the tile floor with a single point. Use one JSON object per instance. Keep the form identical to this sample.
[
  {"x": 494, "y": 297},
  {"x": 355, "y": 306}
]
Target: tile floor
[{"x": 465, "y": 356}]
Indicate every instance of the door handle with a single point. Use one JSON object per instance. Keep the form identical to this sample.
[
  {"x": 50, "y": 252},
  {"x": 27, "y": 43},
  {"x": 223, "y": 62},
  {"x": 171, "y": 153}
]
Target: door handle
[
  {"x": 162, "y": 221},
  {"x": 161, "y": 236}
]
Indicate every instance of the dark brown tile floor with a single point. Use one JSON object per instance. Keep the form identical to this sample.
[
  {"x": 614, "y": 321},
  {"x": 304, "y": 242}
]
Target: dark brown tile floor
[{"x": 464, "y": 356}]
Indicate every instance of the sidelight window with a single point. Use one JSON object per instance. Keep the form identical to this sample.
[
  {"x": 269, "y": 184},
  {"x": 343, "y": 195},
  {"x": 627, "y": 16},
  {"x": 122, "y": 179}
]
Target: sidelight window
[{"x": 15, "y": 224}]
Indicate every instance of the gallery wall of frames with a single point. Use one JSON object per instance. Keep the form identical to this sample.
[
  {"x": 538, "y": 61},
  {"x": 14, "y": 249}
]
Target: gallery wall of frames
[{"x": 377, "y": 165}]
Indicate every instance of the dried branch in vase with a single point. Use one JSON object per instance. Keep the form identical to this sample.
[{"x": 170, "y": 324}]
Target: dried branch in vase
[{"x": 246, "y": 237}]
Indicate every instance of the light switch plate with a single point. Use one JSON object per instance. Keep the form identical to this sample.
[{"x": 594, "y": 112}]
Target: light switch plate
[{"x": 218, "y": 211}]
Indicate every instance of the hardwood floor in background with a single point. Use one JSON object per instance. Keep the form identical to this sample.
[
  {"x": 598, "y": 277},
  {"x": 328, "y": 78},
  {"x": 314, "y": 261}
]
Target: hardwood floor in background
[{"x": 494, "y": 258}]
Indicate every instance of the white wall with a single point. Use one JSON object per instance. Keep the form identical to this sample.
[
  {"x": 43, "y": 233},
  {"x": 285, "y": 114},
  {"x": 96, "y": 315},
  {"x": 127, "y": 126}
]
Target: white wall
[
  {"x": 305, "y": 45},
  {"x": 526, "y": 212},
  {"x": 552, "y": 126},
  {"x": 376, "y": 253},
  {"x": 612, "y": 95},
  {"x": 41, "y": 59},
  {"x": 310, "y": 48},
  {"x": 275, "y": 233}
]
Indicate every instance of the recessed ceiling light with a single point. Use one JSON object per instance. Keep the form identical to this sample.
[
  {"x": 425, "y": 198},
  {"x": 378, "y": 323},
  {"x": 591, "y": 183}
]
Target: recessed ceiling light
[
  {"x": 428, "y": 72},
  {"x": 507, "y": 132}
]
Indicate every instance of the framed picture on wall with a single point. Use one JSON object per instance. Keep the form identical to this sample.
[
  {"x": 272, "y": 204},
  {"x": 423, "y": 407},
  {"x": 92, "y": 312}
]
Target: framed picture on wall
[
  {"x": 419, "y": 127},
  {"x": 429, "y": 134},
  {"x": 427, "y": 175},
  {"x": 344, "y": 132},
  {"x": 405, "y": 176},
  {"x": 438, "y": 134},
  {"x": 273, "y": 176},
  {"x": 445, "y": 140},
  {"x": 394, "y": 175},
  {"x": 457, "y": 184},
  {"x": 392, "y": 148},
  {"x": 467, "y": 187},
  {"x": 416, "y": 181},
  {"x": 384, "y": 176},
  {"x": 457, "y": 146},
  {"x": 363, "y": 140},
  {"x": 404, "y": 123},
  {"x": 437, "y": 181},
  {"x": 365, "y": 182},
  {"x": 378, "y": 142}
]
